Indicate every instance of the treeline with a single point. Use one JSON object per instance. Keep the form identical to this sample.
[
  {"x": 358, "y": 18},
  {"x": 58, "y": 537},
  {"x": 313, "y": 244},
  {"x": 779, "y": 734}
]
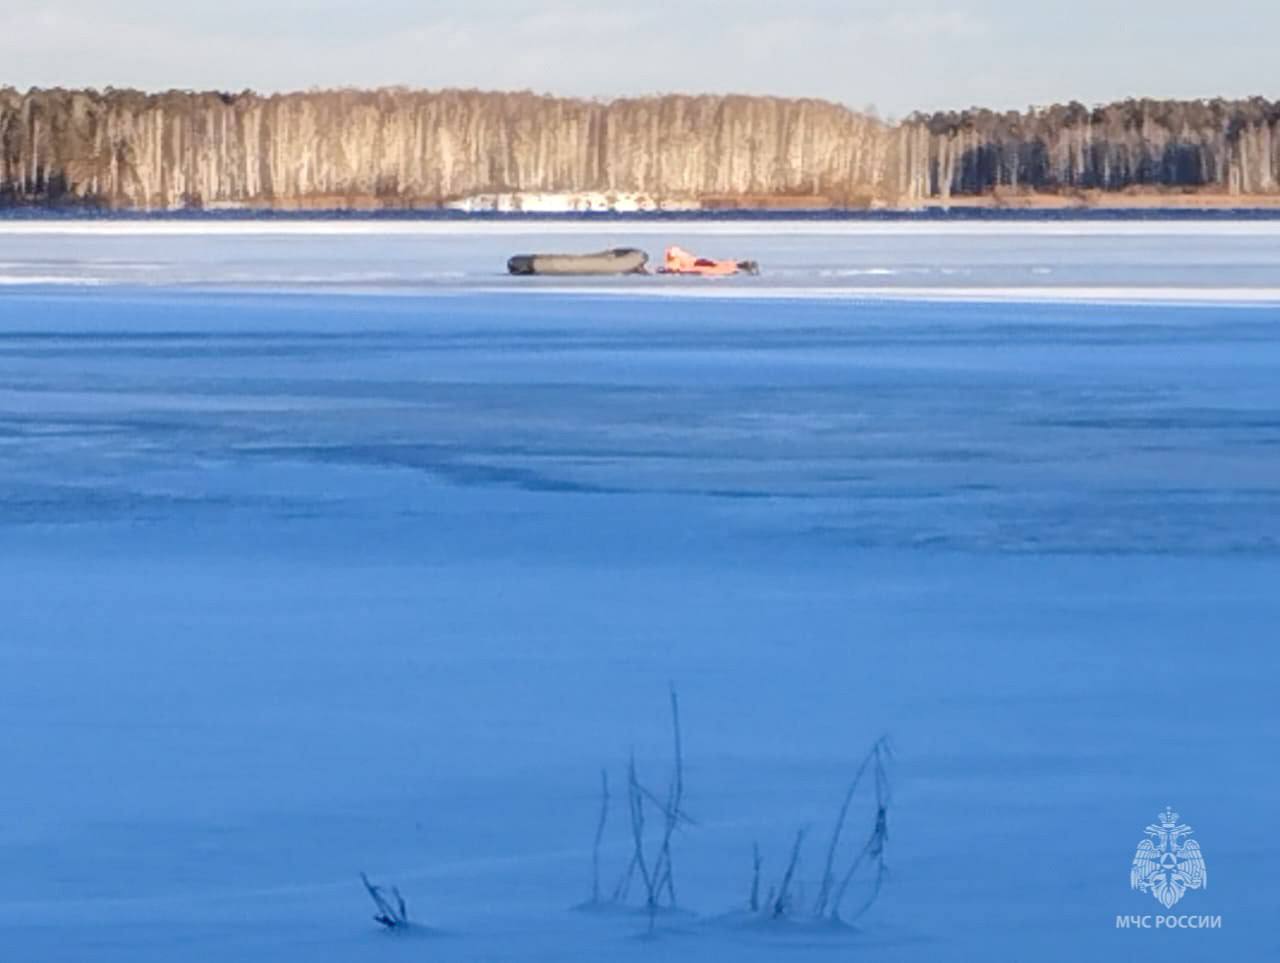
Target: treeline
[
  {"x": 1231, "y": 146},
  {"x": 128, "y": 149},
  {"x": 394, "y": 147}
]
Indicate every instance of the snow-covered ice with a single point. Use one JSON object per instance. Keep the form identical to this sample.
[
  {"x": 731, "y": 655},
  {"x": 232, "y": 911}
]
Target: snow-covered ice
[
  {"x": 325, "y": 550},
  {"x": 1160, "y": 261}
]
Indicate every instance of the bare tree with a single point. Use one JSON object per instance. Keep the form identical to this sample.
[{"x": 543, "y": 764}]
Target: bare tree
[
  {"x": 672, "y": 812},
  {"x": 781, "y": 907},
  {"x": 874, "y": 756},
  {"x": 872, "y": 851},
  {"x": 867, "y": 860},
  {"x": 392, "y": 912},
  {"x": 595, "y": 846},
  {"x": 654, "y": 869},
  {"x": 753, "y": 903}
]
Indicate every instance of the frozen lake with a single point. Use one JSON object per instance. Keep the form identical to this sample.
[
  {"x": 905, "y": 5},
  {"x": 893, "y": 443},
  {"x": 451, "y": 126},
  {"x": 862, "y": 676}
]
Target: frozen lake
[
  {"x": 1180, "y": 260},
  {"x": 328, "y": 548}
]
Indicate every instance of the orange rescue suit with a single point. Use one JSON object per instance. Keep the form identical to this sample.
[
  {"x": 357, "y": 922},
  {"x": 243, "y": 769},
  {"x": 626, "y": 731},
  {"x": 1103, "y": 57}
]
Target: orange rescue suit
[{"x": 679, "y": 261}]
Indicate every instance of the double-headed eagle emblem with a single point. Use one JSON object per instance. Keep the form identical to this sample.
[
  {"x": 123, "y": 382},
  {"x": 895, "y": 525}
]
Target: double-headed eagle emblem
[{"x": 1168, "y": 862}]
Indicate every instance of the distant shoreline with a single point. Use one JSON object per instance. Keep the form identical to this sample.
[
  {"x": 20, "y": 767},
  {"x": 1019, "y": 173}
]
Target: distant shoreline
[
  {"x": 1081, "y": 204},
  {"x": 959, "y": 210},
  {"x": 518, "y": 151},
  {"x": 1120, "y": 201}
]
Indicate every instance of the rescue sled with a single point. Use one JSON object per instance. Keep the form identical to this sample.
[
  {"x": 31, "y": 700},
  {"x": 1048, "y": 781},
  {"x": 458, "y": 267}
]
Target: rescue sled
[{"x": 620, "y": 260}]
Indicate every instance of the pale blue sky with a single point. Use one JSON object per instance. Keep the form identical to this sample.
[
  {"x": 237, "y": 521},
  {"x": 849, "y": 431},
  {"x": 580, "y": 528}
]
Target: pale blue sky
[{"x": 898, "y": 56}]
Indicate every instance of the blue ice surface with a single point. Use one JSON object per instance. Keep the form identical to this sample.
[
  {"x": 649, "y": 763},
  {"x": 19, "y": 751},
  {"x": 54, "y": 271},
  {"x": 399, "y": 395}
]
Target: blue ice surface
[{"x": 296, "y": 586}]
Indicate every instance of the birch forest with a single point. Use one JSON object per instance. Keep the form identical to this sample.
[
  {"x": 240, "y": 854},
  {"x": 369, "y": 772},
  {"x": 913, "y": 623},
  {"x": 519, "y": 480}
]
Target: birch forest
[{"x": 125, "y": 149}]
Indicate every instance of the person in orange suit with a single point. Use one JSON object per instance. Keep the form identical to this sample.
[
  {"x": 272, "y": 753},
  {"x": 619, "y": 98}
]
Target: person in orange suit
[{"x": 679, "y": 261}]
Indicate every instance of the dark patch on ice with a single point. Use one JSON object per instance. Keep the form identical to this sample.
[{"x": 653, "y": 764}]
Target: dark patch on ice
[
  {"x": 1186, "y": 420},
  {"x": 54, "y": 504},
  {"x": 443, "y": 461}
]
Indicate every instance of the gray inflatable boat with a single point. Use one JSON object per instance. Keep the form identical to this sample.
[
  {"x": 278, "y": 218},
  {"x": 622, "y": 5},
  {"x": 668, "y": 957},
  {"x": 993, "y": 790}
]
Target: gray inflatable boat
[{"x": 620, "y": 260}]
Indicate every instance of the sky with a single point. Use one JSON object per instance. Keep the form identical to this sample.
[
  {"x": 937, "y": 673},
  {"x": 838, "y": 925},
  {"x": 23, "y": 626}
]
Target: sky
[{"x": 896, "y": 56}]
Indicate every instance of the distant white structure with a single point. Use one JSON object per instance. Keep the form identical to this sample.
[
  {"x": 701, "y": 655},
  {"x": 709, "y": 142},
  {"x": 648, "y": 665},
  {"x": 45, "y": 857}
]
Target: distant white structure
[{"x": 568, "y": 203}]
